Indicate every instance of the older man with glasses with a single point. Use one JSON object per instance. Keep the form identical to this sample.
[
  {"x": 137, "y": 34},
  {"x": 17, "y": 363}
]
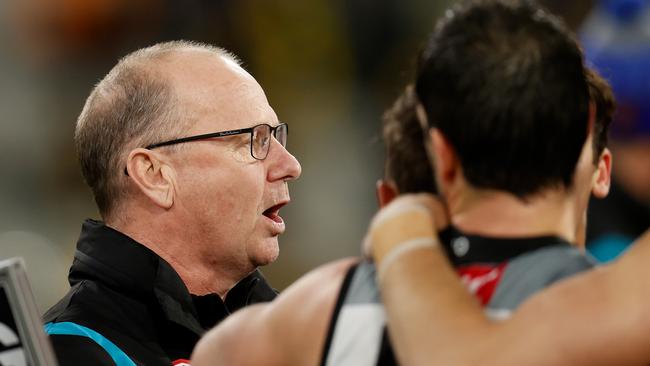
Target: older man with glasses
[{"x": 188, "y": 214}]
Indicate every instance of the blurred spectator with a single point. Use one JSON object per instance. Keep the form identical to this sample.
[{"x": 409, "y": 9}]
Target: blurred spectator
[{"x": 616, "y": 37}]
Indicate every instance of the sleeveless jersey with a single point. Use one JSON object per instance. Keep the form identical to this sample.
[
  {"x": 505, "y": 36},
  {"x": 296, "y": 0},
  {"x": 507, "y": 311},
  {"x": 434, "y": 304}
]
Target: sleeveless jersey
[{"x": 500, "y": 272}]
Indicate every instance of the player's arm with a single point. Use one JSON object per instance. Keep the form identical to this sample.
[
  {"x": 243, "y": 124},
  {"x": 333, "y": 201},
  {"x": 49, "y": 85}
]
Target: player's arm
[
  {"x": 429, "y": 312},
  {"x": 291, "y": 330},
  {"x": 596, "y": 318},
  {"x": 600, "y": 317}
]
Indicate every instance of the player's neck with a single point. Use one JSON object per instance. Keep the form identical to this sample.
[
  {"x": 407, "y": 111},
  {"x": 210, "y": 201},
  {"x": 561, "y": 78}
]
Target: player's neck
[{"x": 500, "y": 214}]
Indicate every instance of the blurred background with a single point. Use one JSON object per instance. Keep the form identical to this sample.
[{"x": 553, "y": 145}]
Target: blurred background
[{"x": 329, "y": 68}]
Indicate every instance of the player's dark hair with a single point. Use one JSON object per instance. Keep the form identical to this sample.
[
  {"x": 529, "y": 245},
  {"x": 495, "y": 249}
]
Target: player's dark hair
[
  {"x": 504, "y": 82},
  {"x": 407, "y": 164}
]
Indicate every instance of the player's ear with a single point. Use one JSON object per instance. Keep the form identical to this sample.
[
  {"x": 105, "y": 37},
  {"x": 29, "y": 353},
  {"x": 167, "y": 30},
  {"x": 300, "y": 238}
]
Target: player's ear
[
  {"x": 601, "y": 180},
  {"x": 447, "y": 165},
  {"x": 386, "y": 192}
]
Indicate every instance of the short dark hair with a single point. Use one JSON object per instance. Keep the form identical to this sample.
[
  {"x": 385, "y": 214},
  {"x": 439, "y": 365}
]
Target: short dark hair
[
  {"x": 407, "y": 163},
  {"x": 602, "y": 95},
  {"x": 504, "y": 82}
]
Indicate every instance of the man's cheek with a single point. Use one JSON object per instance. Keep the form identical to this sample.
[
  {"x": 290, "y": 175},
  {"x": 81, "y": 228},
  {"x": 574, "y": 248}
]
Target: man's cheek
[{"x": 241, "y": 153}]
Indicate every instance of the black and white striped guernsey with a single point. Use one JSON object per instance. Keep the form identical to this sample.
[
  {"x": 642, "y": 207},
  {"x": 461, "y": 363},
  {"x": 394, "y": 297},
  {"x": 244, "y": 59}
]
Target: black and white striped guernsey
[{"x": 500, "y": 272}]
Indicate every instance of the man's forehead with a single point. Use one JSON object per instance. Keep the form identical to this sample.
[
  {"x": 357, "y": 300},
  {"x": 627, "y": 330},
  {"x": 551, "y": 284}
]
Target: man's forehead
[
  {"x": 215, "y": 86},
  {"x": 234, "y": 67},
  {"x": 201, "y": 67}
]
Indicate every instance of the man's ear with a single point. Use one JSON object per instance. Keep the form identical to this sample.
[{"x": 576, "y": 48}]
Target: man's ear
[
  {"x": 601, "y": 180},
  {"x": 153, "y": 177},
  {"x": 447, "y": 166},
  {"x": 386, "y": 192}
]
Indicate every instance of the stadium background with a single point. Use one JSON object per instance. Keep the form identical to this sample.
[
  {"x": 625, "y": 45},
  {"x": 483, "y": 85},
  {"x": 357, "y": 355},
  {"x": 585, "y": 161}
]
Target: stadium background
[{"x": 329, "y": 68}]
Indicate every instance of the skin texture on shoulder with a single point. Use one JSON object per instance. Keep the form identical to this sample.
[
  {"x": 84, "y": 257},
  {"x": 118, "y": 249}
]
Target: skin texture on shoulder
[
  {"x": 597, "y": 318},
  {"x": 291, "y": 330}
]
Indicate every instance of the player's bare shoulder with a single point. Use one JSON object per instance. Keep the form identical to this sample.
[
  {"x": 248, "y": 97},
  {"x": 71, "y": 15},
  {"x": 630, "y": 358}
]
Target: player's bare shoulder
[{"x": 289, "y": 330}]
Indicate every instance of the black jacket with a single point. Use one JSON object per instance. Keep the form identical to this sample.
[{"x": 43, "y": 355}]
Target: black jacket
[{"x": 127, "y": 306}]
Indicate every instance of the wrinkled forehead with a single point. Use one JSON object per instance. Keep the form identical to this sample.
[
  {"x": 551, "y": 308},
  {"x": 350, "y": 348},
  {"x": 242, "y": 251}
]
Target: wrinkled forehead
[{"x": 214, "y": 89}]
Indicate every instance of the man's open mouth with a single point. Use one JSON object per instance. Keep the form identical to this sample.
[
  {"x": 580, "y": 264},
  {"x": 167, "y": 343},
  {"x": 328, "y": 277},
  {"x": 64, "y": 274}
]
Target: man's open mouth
[{"x": 273, "y": 212}]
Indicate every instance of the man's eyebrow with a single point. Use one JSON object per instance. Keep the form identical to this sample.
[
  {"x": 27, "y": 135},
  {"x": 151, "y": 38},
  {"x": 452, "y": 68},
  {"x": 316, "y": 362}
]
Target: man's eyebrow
[
  {"x": 266, "y": 122},
  {"x": 241, "y": 136},
  {"x": 244, "y": 138}
]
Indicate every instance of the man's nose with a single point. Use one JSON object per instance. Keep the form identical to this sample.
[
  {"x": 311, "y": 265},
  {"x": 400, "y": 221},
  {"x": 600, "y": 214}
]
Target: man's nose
[{"x": 283, "y": 165}]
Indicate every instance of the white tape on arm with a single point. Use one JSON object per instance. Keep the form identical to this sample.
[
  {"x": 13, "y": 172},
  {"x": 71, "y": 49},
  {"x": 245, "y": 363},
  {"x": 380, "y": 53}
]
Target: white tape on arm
[
  {"x": 397, "y": 210},
  {"x": 402, "y": 248}
]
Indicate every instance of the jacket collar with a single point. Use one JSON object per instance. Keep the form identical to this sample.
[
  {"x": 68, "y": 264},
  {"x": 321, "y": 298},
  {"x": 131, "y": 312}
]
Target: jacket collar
[{"x": 119, "y": 262}]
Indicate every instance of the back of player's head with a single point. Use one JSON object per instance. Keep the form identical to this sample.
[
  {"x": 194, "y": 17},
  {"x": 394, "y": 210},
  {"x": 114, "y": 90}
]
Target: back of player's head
[
  {"x": 407, "y": 164},
  {"x": 504, "y": 82}
]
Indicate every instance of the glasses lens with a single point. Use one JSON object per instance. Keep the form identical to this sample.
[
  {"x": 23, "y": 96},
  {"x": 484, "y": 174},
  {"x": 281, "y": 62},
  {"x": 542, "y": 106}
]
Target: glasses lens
[
  {"x": 281, "y": 133},
  {"x": 261, "y": 141}
]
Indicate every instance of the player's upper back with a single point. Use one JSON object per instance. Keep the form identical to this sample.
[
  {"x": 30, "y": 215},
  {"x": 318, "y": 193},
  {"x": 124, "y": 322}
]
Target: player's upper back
[{"x": 501, "y": 273}]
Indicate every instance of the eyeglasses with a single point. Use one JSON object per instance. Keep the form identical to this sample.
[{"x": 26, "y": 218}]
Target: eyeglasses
[{"x": 260, "y": 138}]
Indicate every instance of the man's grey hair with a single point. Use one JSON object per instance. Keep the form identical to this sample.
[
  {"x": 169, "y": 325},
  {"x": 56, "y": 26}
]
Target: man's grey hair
[{"x": 134, "y": 105}]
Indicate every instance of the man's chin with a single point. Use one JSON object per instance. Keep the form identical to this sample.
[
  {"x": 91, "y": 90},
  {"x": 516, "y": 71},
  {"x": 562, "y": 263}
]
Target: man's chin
[{"x": 266, "y": 252}]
